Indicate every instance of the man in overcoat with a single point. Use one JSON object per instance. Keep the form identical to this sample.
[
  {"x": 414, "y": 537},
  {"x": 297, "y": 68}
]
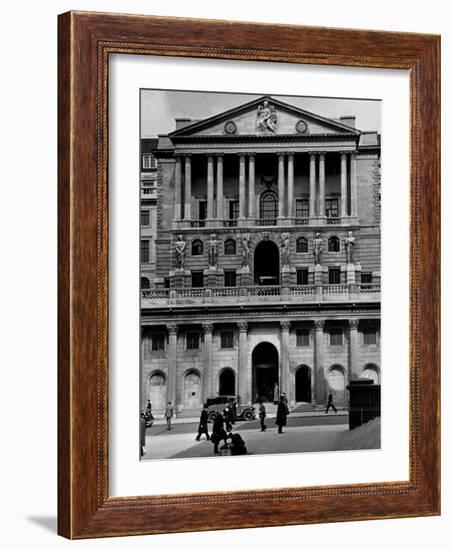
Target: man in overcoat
[
  {"x": 281, "y": 414},
  {"x": 203, "y": 424}
]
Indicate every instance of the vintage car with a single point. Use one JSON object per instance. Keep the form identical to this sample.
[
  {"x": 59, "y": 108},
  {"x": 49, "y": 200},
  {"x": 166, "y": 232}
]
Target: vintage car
[{"x": 217, "y": 405}]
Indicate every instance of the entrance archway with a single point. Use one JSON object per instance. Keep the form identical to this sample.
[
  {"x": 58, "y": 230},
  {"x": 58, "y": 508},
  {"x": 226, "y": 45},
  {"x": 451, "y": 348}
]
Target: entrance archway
[
  {"x": 265, "y": 366},
  {"x": 303, "y": 384},
  {"x": 371, "y": 371},
  {"x": 192, "y": 390},
  {"x": 226, "y": 382},
  {"x": 266, "y": 263},
  {"x": 157, "y": 391},
  {"x": 336, "y": 383}
]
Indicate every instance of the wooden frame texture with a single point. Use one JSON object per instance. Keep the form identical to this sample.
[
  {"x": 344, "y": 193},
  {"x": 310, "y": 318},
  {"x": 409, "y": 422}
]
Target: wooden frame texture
[{"x": 85, "y": 42}]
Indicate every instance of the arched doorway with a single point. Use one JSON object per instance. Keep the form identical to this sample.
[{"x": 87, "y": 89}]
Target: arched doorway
[
  {"x": 266, "y": 263},
  {"x": 192, "y": 390},
  {"x": 157, "y": 391},
  {"x": 265, "y": 365},
  {"x": 303, "y": 384},
  {"x": 226, "y": 382},
  {"x": 371, "y": 371},
  {"x": 336, "y": 383}
]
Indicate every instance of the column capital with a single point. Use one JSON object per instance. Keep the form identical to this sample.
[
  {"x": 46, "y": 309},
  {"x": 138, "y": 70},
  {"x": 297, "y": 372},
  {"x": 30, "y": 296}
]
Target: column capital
[
  {"x": 319, "y": 324},
  {"x": 172, "y": 328},
  {"x": 210, "y": 156},
  {"x": 251, "y": 154},
  {"x": 285, "y": 325},
  {"x": 207, "y": 328},
  {"x": 243, "y": 326},
  {"x": 313, "y": 153},
  {"x": 290, "y": 153},
  {"x": 281, "y": 154},
  {"x": 219, "y": 155},
  {"x": 186, "y": 155},
  {"x": 353, "y": 323}
]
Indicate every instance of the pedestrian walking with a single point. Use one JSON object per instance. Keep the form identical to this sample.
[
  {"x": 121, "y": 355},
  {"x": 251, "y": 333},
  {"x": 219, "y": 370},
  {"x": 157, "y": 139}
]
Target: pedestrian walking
[
  {"x": 330, "y": 403},
  {"x": 227, "y": 415},
  {"x": 142, "y": 435},
  {"x": 262, "y": 415},
  {"x": 169, "y": 415},
  {"x": 281, "y": 414},
  {"x": 218, "y": 432},
  {"x": 203, "y": 427}
]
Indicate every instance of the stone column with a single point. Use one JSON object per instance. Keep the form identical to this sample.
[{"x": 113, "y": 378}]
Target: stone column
[
  {"x": 251, "y": 187},
  {"x": 285, "y": 365},
  {"x": 353, "y": 353},
  {"x": 319, "y": 373},
  {"x": 171, "y": 382},
  {"x": 210, "y": 188},
  {"x": 322, "y": 185},
  {"x": 244, "y": 385},
  {"x": 290, "y": 187},
  {"x": 353, "y": 187},
  {"x": 220, "y": 213},
  {"x": 242, "y": 184},
  {"x": 312, "y": 187},
  {"x": 207, "y": 362},
  {"x": 187, "y": 201},
  {"x": 177, "y": 190},
  {"x": 343, "y": 185},
  {"x": 281, "y": 209}
]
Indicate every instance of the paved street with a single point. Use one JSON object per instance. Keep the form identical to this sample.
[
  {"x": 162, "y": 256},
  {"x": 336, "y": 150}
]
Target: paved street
[{"x": 302, "y": 434}]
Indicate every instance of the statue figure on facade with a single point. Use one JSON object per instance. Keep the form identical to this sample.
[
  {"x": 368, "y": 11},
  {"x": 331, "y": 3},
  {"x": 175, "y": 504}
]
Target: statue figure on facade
[
  {"x": 266, "y": 118},
  {"x": 285, "y": 250},
  {"x": 349, "y": 247},
  {"x": 180, "y": 246},
  {"x": 246, "y": 252},
  {"x": 213, "y": 251},
  {"x": 318, "y": 249}
]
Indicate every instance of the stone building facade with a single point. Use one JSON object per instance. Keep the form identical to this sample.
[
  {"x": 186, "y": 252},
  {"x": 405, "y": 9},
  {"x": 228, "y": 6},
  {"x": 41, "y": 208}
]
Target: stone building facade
[{"x": 267, "y": 259}]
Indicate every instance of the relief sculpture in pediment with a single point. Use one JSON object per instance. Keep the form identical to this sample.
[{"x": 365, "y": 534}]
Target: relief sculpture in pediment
[{"x": 266, "y": 118}]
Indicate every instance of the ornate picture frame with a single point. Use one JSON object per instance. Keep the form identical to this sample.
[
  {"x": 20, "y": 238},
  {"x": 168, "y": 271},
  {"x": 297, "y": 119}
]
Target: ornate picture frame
[{"x": 86, "y": 40}]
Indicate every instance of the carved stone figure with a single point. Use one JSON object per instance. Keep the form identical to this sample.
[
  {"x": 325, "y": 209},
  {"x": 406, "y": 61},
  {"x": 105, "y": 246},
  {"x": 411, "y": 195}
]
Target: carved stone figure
[
  {"x": 318, "y": 249},
  {"x": 350, "y": 246},
  {"x": 266, "y": 118},
  {"x": 213, "y": 250},
  {"x": 285, "y": 249},
  {"x": 180, "y": 246},
  {"x": 246, "y": 252}
]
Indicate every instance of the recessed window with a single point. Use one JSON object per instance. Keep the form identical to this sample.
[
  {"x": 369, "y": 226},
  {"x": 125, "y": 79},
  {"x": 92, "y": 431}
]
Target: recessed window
[
  {"x": 144, "y": 251},
  {"x": 233, "y": 210},
  {"x": 370, "y": 337},
  {"x": 268, "y": 205},
  {"x": 197, "y": 279},
  {"x": 336, "y": 337},
  {"x": 229, "y": 246},
  {"x": 334, "y": 244},
  {"x": 334, "y": 275},
  {"x": 192, "y": 340},
  {"x": 303, "y": 337},
  {"x": 302, "y": 276},
  {"x": 197, "y": 248},
  {"x": 145, "y": 217},
  {"x": 302, "y": 244},
  {"x": 227, "y": 339},
  {"x": 230, "y": 277},
  {"x": 202, "y": 210},
  {"x": 157, "y": 341},
  {"x": 149, "y": 161},
  {"x": 366, "y": 278},
  {"x": 302, "y": 208},
  {"x": 332, "y": 208},
  {"x": 145, "y": 283}
]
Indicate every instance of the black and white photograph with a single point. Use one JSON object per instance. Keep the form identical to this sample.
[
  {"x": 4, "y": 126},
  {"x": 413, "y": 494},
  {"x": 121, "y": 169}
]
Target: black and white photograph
[{"x": 259, "y": 274}]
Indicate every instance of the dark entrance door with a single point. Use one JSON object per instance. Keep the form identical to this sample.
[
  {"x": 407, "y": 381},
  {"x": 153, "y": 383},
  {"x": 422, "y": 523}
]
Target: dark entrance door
[
  {"x": 265, "y": 372},
  {"x": 266, "y": 263},
  {"x": 303, "y": 385},
  {"x": 227, "y": 382}
]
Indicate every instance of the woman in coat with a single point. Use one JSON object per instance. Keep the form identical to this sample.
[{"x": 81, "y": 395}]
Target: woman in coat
[{"x": 281, "y": 414}]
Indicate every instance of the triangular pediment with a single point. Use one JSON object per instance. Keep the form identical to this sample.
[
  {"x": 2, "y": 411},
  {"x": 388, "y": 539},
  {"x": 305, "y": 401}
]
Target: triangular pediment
[{"x": 264, "y": 116}]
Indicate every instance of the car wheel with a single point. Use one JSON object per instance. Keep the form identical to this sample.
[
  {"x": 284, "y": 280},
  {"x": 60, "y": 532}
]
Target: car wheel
[
  {"x": 212, "y": 416},
  {"x": 248, "y": 414}
]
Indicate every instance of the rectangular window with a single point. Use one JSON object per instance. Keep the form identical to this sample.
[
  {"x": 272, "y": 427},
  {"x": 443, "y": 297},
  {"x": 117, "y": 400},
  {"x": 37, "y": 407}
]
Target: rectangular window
[
  {"x": 302, "y": 276},
  {"x": 157, "y": 341},
  {"x": 332, "y": 208},
  {"x": 233, "y": 210},
  {"x": 302, "y": 208},
  {"x": 336, "y": 337},
  {"x": 370, "y": 337},
  {"x": 144, "y": 251},
  {"x": 334, "y": 275},
  {"x": 202, "y": 210},
  {"x": 227, "y": 339},
  {"x": 149, "y": 161},
  {"x": 166, "y": 282},
  {"x": 230, "y": 278},
  {"x": 366, "y": 278},
  {"x": 197, "y": 279},
  {"x": 145, "y": 217},
  {"x": 192, "y": 340},
  {"x": 303, "y": 337}
]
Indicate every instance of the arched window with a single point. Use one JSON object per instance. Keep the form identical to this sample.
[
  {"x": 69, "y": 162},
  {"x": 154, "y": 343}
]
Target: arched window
[
  {"x": 145, "y": 283},
  {"x": 302, "y": 244},
  {"x": 333, "y": 244},
  {"x": 229, "y": 246},
  {"x": 269, "y": 205},
  {"x": 197, "y": 248}
]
